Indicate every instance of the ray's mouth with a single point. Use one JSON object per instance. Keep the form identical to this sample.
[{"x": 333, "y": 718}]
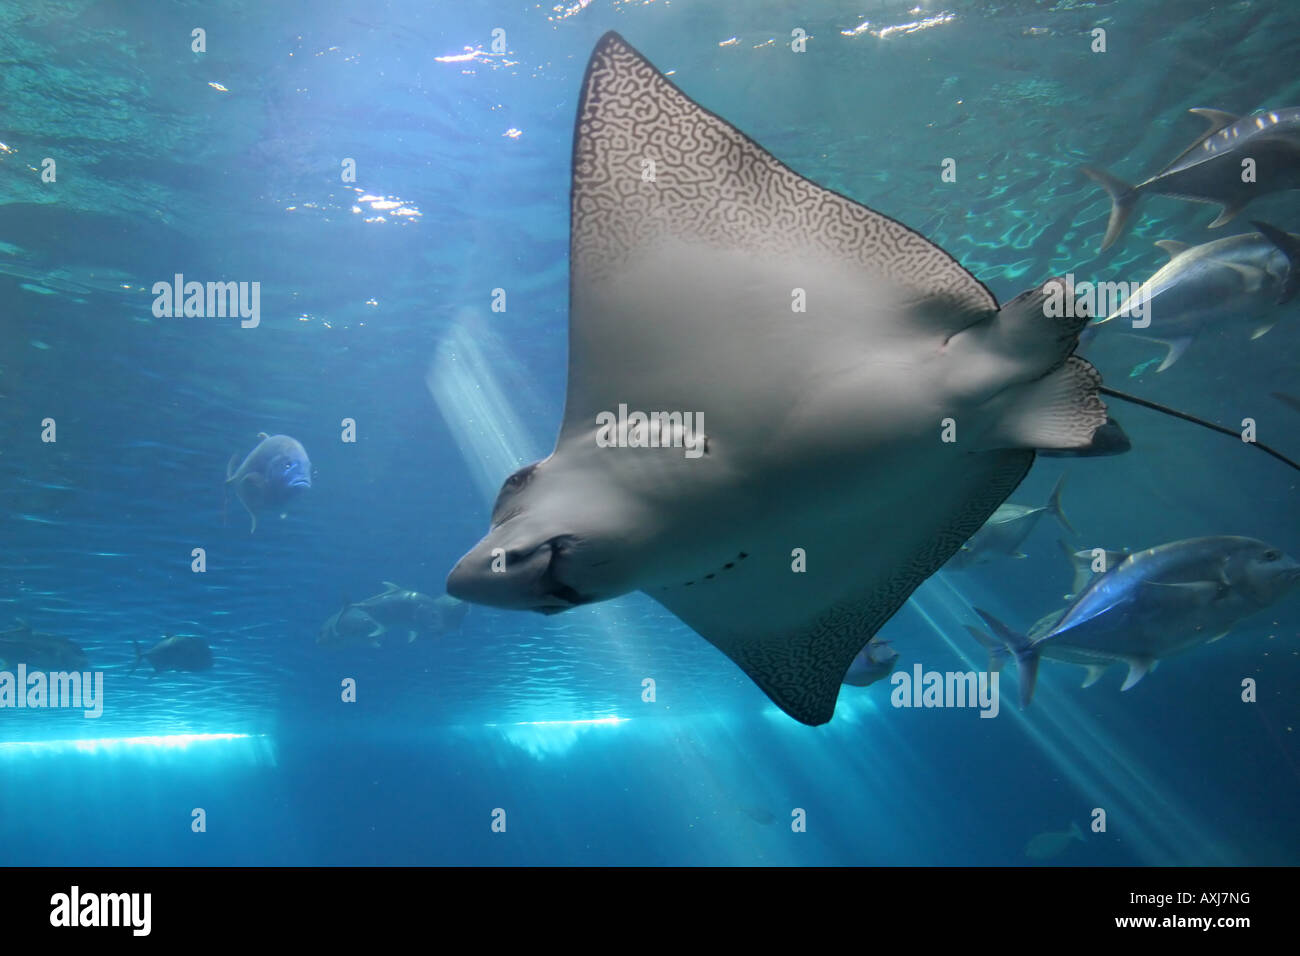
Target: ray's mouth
[{"x": 560, "y": 596}]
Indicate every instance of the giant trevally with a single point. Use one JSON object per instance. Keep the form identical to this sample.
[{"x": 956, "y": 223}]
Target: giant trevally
[
  {"x": 271, "y": 477},
  {"x": 1006, "y": 530},
  {"x": 40, "y": 651},
  {"x": 401, "y": 609},
  {"x": 1211, "y": 169},
  {"x": 791, "y": 360},
  {"x": 1050, "y": 843},
  {"x": 999, "y": 653},
  {"x": 176, "y": 652},
  {"x": 1236, "y": 279},
  {"x": 350, "y": 626},
  {"x": 874, "y": 662},
  {"x": 1156, "y": 603}
]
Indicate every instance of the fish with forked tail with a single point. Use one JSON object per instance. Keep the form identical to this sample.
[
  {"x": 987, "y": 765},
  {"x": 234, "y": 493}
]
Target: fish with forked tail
[
  {"x": 21, "y": 645},
  {"x": 1210, "y": 170},
  {"x": 350, "y": 626},
  {"x": 1006, "y": 530},
  {"x": 271, "y": 477},
  {"x": 413, "y": 613},
  {"x": 874, "y": 662},
  {"x": 1154, "y": 604},
  {"x": 177, "y": 652},
  {"x": 1233, "y": 279},
  {"x": 1050, "y": 844}
]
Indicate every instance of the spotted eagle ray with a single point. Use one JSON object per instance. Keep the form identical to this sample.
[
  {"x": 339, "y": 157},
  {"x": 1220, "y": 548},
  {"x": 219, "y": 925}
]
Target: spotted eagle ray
[{"x": 826, "y": 492}]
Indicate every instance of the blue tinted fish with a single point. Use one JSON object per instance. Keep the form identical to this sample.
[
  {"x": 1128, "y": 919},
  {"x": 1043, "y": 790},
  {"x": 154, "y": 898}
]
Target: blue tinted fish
[
  {"x": 274, "y": 474},
  {"x": 1157, "y": 603}
]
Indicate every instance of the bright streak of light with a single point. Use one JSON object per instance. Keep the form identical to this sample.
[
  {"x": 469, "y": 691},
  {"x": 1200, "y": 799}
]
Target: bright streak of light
[
  {"x": 567, "y": 723},
  {"x": 95, "y": 745}
]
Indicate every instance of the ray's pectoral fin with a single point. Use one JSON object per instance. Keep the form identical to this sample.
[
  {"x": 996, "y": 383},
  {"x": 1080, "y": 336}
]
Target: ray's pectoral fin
[
  {"x": 795, "y": 635},
  {"x": 1051, "y": 401},
  {"x": 1061, "y": 410}
]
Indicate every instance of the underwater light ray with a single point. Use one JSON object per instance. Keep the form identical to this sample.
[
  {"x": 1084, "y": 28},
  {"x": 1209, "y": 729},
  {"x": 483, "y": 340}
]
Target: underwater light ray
[{"x": 1164, "y": 826}]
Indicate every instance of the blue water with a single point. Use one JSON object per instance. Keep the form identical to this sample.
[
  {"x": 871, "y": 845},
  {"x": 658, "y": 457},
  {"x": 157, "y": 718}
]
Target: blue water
[{"x": 378, "y": 310}]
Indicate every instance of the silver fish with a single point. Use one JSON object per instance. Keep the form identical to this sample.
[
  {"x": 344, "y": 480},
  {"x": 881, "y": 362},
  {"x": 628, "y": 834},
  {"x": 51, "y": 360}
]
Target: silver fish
[
  {"x": 350, "y": 626},
  {"x": 1006, "y": 530},
  {"x": 874, "y": 662},
  {"x": 1050, "y": 844},
  {"x": 177, "y": 652},
  {"x": 1210, "y": 170},
  {"x": 271, "y": 477},
  {"x": 416, "y": 614},
  {"x": 1239, "y": 277},
  {"x": 39, "y": 651},
  {"x": 1157, "y": 603}
]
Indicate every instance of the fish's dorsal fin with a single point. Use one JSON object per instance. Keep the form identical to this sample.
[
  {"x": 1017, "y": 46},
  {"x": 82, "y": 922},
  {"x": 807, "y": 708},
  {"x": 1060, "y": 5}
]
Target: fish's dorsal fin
[
  {"x": 1217, "y": 119},
  {"x": 661, "y": 186},
  {"x": 262, "y": 436},
  {"x": 1172, "y": 246},
  {"x": 390, "y": 586}
]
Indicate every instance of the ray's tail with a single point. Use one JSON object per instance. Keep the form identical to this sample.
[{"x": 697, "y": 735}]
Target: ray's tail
[{"x": 1156, "y": 406}]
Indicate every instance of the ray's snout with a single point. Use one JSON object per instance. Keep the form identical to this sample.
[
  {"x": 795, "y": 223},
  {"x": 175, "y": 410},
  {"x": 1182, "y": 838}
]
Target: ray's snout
[{"x": 514, "y": 579}]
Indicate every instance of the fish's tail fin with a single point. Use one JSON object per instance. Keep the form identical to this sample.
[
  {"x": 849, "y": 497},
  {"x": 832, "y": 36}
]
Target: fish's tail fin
[
  {"x": 1123, "y": 200},
  {"x": 232, "y": 466},
  {"x": 139, "y": 657},
  {"x": 1054, "y": 506},
  {"x": 998, "y": 655},
  {"x": 1027, "y": 654}
]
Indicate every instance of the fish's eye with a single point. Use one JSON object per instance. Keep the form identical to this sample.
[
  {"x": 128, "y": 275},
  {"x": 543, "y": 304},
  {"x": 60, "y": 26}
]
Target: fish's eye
[{"x": 1272, "y": 555}]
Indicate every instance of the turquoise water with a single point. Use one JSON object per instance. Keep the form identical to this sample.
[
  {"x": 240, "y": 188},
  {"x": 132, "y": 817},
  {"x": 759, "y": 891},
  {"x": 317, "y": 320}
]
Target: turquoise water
[{"x": 225, "y": 165}]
